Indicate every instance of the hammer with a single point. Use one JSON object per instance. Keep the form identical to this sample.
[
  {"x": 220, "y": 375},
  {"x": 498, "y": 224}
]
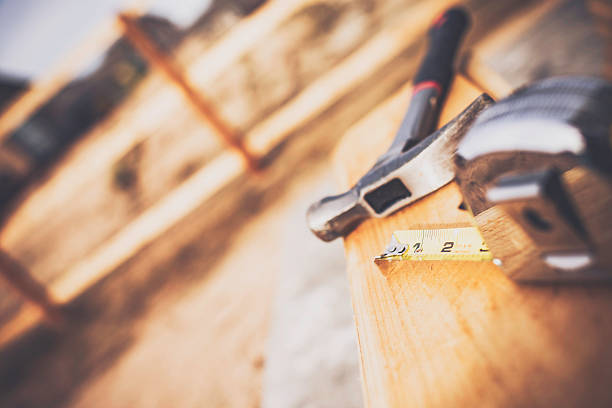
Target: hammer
[{"x": 415, "y": 164}]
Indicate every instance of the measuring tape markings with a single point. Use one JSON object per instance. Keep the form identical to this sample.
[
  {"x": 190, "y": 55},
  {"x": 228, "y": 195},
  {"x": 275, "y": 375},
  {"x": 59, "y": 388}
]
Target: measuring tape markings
[{"x": 463, "y": 243}]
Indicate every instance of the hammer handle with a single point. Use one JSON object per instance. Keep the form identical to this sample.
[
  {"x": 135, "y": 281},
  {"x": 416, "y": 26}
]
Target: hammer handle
[
  {"x": 432, "y": 80},
  {"x": 337, "y": 215},
  {"x": 444, "y": 37}
]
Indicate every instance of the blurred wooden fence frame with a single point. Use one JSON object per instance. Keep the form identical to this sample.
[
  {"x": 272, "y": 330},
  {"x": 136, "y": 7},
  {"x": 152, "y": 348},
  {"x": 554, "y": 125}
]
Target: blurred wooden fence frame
[
  {"x": 17, "y": 276},
  {"x": 19, "y": 111},
  {"x": 310, "y": 103},
  {"x": 28, "y": 287}
]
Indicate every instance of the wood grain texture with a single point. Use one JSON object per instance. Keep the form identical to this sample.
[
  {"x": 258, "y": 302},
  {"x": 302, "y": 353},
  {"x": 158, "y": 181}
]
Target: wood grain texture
[{"x": 444, "y": 333}]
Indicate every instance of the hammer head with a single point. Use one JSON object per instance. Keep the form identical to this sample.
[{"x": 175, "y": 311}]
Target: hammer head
[{"x": 396, "y": 180}]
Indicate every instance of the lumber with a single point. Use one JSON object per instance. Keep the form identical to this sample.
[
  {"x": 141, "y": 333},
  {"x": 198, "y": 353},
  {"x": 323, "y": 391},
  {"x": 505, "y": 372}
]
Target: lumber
[
  {"x": 327, "y": 90},
  {"x": 451, "y": 333},
  {"x": 26, "y": 318},
  {"x": 17, "y": 277},
  {"x": 148, "y": 226},
  {"x": 244, "y": 37},
  {"x": 139, "y": 233}
]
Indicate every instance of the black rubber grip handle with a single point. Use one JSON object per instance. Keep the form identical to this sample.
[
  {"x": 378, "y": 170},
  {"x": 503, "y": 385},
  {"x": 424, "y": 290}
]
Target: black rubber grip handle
[{"x": 444, "y": 38}]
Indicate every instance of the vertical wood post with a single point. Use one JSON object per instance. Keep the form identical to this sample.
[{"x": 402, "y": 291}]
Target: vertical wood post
[
  {"x": 17, "y": 277},
  {"x": 139, "y": 39}
]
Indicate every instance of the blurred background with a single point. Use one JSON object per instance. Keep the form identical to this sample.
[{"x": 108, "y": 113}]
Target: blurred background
[{"x": 156, "y": 162}]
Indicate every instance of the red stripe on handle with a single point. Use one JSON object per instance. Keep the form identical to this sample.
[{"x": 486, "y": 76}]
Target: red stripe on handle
[
  {"x": 426, "y": 84},
  {"x": 441, "y": 18}
]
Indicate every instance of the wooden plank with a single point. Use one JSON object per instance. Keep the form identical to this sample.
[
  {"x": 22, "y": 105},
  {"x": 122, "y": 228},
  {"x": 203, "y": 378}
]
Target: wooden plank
[
  {"x": 27, "y": 317},
  {"x": 461, "y": 333},
  {"x": 244, "y": 37},
  {"x": 148, "y": 226},
  {"x": 136, "y": 235},
  {"x": 327, "y": 90},
  {"x": 28, "y": 287}
]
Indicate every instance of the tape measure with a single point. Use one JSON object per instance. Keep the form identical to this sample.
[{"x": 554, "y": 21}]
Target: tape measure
[{"x": 462, "y": 243}]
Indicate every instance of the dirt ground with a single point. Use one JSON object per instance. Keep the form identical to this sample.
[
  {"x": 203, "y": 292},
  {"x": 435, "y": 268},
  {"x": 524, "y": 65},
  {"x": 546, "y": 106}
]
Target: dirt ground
[{"x": 204, "y": 341}]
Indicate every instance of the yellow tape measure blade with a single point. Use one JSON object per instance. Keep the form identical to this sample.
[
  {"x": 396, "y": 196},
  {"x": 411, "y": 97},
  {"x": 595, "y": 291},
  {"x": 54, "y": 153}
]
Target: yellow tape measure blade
[{"x": 463, "y": 244}]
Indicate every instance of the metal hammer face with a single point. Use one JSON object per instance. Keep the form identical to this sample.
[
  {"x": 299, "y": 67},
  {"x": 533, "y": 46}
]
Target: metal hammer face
[{"x": 395, "y": 180}]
